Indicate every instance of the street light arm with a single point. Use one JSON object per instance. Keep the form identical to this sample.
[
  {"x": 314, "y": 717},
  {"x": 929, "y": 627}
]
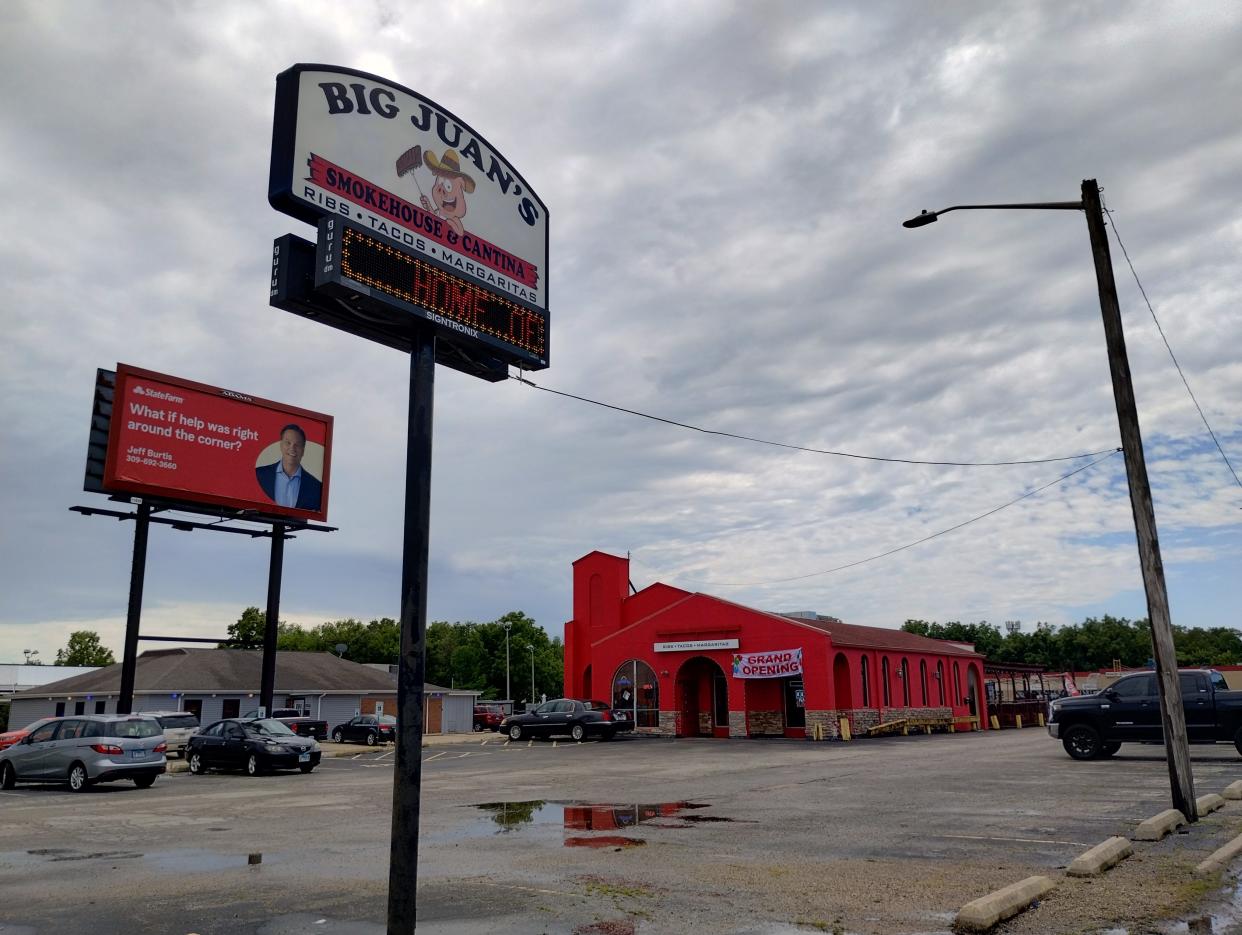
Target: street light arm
[{"x": 927, "y": 217}]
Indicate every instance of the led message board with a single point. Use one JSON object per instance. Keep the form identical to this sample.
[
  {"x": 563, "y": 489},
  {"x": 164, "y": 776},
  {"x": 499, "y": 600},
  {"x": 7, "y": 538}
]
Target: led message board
[
  {"x": 368, "y": 270},
  {"x": 468, "y": 236},
  {"x": 185, "y": 442}
]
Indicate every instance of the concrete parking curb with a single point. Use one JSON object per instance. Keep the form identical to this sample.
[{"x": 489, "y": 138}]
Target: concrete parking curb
[
  {"x": 1234, "y": 790},
  {"x": 981, "y": 914},
  {"x": 1206, "y": 804},
  {"x": 1221, "y": 857},
  {"x": 1156, "y": 827},
  {"x": 1100, "y": 858}
]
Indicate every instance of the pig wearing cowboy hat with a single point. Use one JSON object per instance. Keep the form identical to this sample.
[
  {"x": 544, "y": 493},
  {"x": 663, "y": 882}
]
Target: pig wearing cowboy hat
[{"x": 450, "y": 189}]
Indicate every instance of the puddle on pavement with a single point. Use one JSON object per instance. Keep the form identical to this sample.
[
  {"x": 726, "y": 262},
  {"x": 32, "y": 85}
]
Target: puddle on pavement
[
  {"x": 1219, "y": 916},
  {"x": 548, "y": 819}
]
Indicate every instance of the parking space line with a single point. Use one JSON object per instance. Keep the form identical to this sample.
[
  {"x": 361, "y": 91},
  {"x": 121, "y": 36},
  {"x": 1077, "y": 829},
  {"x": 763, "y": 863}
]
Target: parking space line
[
  {"x": 435, "y": 756},
  {"x": 531, "y": 889},
  {"x": 980, "y": 837}
]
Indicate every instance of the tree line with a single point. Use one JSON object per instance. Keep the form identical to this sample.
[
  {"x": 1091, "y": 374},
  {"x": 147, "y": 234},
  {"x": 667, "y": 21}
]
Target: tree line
[
  {"x": 1096, "y": 643},
  {"x": 463, "y": 654}
]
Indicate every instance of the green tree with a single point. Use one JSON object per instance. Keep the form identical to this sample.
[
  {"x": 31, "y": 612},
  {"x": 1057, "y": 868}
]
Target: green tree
[
  {"x": 84, "y": 649},
  {"x": 247, "y": 632}
]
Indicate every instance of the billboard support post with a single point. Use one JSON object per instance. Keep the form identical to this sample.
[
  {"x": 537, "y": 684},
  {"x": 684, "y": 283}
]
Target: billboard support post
[
  {"x": 267, "y": 686},
  {"x": 411, "y": 670},
  {"x": 137, "y": 574}
]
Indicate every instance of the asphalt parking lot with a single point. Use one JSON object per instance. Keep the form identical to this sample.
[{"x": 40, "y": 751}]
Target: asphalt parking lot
[{"x": 637, "y": 835}]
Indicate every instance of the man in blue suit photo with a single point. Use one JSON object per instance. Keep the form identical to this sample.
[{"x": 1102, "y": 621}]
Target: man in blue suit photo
[{"x": 285, "y": 481}]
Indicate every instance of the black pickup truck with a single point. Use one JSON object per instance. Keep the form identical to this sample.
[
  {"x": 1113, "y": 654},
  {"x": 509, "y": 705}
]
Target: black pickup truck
[
  {"x": 301, "y": 724},
  {"x": 1092, "y": 726}
]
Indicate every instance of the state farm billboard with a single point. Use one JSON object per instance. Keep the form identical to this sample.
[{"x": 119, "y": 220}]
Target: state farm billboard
[
  {"x": 356, "y": 146},
  {"x": 178, "y": 440}
]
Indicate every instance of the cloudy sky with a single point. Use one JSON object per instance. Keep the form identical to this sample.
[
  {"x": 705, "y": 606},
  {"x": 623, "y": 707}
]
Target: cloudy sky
[{"x": 725, "y": 185}]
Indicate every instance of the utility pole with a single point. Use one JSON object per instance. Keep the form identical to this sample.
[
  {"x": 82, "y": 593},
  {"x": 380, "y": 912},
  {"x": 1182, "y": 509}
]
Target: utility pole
[{"x": 1172, "y": 715}]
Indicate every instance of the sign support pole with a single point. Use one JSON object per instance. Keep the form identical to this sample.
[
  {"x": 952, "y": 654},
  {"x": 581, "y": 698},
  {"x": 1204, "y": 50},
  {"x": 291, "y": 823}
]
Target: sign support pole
[
  {"x": 268, "y": 685},
  {"x": 137, "y": 574},
  {"x": 411, "y": 671},
  {"x": 1172, "y": 715}
]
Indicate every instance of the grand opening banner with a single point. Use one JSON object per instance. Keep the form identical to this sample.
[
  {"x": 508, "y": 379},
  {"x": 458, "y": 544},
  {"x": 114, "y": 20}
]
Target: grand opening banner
[
  {"x": 770, "y": 665},
  {"x": 182, "y": 441}
]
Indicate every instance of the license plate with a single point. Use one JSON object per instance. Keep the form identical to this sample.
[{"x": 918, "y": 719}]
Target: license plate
[
  {"x": 137, "y": 754},
  {"x": 303, "y": 757}
]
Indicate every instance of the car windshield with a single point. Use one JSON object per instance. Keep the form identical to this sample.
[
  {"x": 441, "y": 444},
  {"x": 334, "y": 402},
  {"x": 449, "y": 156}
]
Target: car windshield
[
  {"x": 138, "y": 727},
  {"x": 268, "y": 726},
  {"x": 178, "y": 721}
]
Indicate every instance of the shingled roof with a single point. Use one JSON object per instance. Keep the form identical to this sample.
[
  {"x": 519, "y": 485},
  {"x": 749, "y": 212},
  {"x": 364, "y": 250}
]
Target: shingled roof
[
  {"x": 195, "y": 670},
  {"x": 853, "y": 634}
]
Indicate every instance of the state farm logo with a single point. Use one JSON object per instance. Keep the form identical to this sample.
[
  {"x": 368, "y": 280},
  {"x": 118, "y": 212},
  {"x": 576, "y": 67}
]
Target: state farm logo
[{"x": 141, "y": 390}]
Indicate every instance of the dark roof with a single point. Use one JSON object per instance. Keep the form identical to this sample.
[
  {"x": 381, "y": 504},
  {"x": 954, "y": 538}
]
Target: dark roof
[
  {"x": 853, "y": 634},
  {"x": 228, "y": 670}
]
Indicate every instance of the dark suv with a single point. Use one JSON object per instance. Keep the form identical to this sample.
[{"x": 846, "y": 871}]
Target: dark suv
[{"x": 488, "y": 716}]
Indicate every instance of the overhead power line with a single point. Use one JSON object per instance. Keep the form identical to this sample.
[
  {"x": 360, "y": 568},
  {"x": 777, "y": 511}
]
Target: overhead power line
[
  {"x": 1134, "y": 272},
  {"x": 910, "y": 545},
  {"x": 819, "y": 451}
]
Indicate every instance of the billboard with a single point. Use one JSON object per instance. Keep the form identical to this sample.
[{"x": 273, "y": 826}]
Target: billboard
[
  {"x": 361, "y": 148},
  {"x": 186, "y": 442}
]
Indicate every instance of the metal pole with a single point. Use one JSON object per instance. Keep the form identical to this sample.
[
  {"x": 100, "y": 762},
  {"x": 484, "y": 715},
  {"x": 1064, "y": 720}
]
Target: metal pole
[
  {"x": 268, "y": 686},
  {"x": 508, "y": 690},
  {"x": 137, "y": 573},
  {"x": 532, "y": 673},
  {"x": 411, "y": 668},
  {"x": 1172, "y": 715}
]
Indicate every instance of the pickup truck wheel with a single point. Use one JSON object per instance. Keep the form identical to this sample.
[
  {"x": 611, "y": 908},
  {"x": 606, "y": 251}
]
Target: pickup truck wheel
[
  {"x": 1109, "y": 749},
  {"x": 1082, "y": 742}
]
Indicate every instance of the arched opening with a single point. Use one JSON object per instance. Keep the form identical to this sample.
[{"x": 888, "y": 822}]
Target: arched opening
[
  {"x": 635, "y": 690},
  {"x": 972, "y": 692},
  {"x": 957, "y": 685},
  {"x": 586, "y": 682},
  {"x": 940, "y": 680},
  {"x": 843, "y": 690},
  {"x": 923, "y": 682},
  {"x": 866, "y": 683},
  {"x": 702, "y": 699},
  {"x": 885, "y": 687},
  {"x": 904, "y": 674}
]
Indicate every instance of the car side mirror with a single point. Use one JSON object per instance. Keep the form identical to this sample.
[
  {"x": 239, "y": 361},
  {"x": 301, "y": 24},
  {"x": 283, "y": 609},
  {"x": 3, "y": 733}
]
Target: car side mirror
[{"x": 1110, "y": 694}]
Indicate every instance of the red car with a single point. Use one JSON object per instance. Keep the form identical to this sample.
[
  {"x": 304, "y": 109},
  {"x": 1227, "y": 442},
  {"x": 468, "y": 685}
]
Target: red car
[
  {"x": 488, "y": 716},
  {"x": 8, "y": 738}
]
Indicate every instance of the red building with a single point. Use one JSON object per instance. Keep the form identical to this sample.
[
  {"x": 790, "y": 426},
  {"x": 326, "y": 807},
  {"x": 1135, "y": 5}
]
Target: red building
[{"x": 696, "y": 665}]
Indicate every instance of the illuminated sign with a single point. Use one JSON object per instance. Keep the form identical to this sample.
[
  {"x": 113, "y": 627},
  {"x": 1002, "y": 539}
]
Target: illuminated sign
[
  {"x": 354, "y": 145},
  {"x": 468, "y": 235},
  {"x": 187, "y": 442},
  {"x": 368, "y": 271}
]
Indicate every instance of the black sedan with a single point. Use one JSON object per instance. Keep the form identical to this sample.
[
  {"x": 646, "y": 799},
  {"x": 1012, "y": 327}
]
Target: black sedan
[
  {"x": 257, "y": 746},
  {"x": 578, "y": 719},
  {"x": 367, "y": 728}
]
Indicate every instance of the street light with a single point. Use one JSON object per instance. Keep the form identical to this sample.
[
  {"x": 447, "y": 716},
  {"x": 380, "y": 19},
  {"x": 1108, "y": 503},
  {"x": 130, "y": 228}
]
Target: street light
[
  {"x": 1173, "y": 717},
  {"x": 532, "y": 672}
]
